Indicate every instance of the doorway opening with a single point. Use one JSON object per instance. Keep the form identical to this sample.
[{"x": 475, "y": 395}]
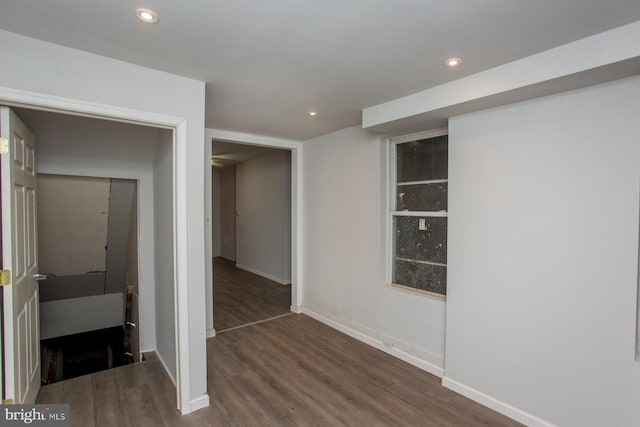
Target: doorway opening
[
  {"x": 251, "y": 234},
  {"x": 125, "y": 172},
  {"x": 88, "y": 257},
  {"x": 169, "y": 167}
]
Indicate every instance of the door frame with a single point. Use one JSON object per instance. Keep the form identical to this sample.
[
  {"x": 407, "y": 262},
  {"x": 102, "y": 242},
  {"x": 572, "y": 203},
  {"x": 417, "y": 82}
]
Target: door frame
[
  {"x": 34, "y": 100},
  {"x": 3, "y": 391},
  {"x": 296, "y": 149}
]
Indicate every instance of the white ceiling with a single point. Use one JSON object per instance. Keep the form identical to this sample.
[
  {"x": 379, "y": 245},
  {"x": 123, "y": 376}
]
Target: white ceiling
[{"x": 267, "y": 63}]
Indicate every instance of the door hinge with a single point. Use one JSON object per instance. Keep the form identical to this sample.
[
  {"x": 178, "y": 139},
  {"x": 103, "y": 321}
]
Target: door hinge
[
  {"x": 4, "y": 146},
  {"x": 7, "y": 402},
  {"x": 5, "y": 277}
]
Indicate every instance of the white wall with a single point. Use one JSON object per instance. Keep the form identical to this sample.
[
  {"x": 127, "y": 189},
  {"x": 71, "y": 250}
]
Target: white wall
[
  {"x": 263, "y": 227},
  {"x": 344, "y": 250},
  {"x": 73, "y": 213},
  {"x": 131, "y": 275},
  {"x": 95, "y": 83},
  {"x": 228, "y": 213},
  {"x": 216, "y": 212},
  {"x": 543, "y": 253},
  {"x": 132, "y": 263},
  {"x": 75, "y": 315},
  {"x": 120, "y": 206},
  {"x": 163, "y": 232}
]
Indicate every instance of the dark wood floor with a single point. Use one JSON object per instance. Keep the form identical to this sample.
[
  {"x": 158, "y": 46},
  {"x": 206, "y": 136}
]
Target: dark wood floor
[
  {"x": 289, "y": 371},
  {"x": 139, "y": 394},
  {"x": 241, "y": 298},
  {"x": 80, "y": 354}
]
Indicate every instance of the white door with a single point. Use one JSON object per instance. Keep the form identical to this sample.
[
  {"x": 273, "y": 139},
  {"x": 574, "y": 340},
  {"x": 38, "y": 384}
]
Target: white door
[{"x": 21, "y": 350}]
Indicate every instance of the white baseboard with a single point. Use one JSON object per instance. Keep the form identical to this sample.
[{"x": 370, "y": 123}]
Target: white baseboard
[
  {"x": 495, "y": 404},
  {"x": 426, "y": 361},
  {"x": 386, "y": 344},
  {"x": 211, "y": 333},
  {"x": 265, "y": 275},
  {"x": 197, "y": 403},
  {"x": 164, "y": 365}
]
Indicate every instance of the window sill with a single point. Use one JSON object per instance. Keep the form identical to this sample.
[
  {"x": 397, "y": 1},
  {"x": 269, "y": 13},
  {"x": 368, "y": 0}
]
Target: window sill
[{"x": 421, "y": 292}]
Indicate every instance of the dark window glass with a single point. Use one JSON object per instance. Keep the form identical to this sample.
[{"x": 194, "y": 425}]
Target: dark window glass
[
  {"x": 421, "y": 238},
  {"x": 427, "y": 277},
  {"x": 420, "y": 242},
  {"x": 422, "y": 197},
  {"x": 422, "y": 160}
]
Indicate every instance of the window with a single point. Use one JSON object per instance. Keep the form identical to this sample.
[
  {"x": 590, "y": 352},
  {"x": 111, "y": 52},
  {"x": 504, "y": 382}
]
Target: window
[{"x": 418, "y": 211}]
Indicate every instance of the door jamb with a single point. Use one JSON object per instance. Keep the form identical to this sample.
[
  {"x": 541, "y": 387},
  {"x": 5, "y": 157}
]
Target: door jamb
[
  {"x": 3, "y": 390},
  {"x": 27, "y": 99},
  {"x": 296, "y": 148}
]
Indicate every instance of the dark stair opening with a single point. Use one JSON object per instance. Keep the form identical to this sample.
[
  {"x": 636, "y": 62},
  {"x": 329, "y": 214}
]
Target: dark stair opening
[{"x": 81, "y": 354}]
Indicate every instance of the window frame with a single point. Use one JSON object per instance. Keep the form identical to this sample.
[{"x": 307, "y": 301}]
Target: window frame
[{"x": 391, "y": 213}]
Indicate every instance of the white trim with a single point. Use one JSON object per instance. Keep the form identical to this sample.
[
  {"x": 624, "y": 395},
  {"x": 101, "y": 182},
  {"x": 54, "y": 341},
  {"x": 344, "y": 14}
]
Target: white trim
[
  {"x": 263, "y": 274},
  {"x": 424, "y": 181},
  {"x": 197, "y": 403},
  {"x": 383, "y": 343},
  {"x": 495, "y": 404},
  {"x": 211, "y": 333},
  {"x": 251, "y": 139},
  {"x": 434, "y": 214},
  {"x": 181, "y": 293},
  {"x": 35, "y": 100},
  {"x": 58, "y": 104},
  {"x": 208, "y": 243},
  {"x": 296, "y": 225},
  {"x": 416, "y": 291},
  {"x": 297, "y": 309},
  {"x": 432, "y": 133},
  {"x": 147, "y": 350},
  {"x": 638, "y": 297},
  {"x": 417, "y": 261},
  {"x": 391, "y": 197},
  {"x": 255, "y": 323},
  {"x": 390, "y": 191},
  {"x": 164, "y": 365}
]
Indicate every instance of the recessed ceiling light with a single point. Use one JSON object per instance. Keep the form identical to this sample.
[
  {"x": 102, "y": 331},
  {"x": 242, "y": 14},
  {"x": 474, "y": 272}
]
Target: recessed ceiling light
[
  {"x": 146, "y": 15},
  {"x": 313, "y": 113},
  {"x": 453, "y": 62}
]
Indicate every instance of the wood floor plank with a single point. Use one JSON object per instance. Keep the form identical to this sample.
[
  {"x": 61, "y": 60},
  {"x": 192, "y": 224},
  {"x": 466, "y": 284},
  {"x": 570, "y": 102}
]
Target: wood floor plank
[
  {"x": 109, "y": 408},
  {"x": 368, "y": 369},
  {"x": 330, "y": 378},
  {"x": 225, "y": 396},
  {"x": 219, "y": 357},
  {"x": 50, "y": 394},
  {"x": 141, "y": 407},
  {"x": 291, "y": 371},
  {"x": 284, "y": 383},
  {"x": 241, "y": 297},
  {"x": 79, "y": 390}
]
